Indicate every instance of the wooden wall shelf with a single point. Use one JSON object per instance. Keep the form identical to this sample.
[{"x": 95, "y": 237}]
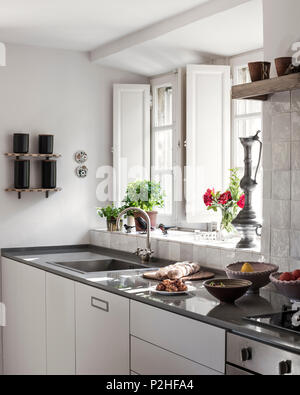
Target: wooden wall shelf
[
  {"x": 261, "y": 90},
  {"x": 38, "y": 156},
  {"x": 20, "y": 191}
]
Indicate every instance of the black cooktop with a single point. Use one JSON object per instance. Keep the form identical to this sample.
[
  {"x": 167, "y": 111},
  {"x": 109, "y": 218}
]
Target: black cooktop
[{"x": 282, "y": 320}]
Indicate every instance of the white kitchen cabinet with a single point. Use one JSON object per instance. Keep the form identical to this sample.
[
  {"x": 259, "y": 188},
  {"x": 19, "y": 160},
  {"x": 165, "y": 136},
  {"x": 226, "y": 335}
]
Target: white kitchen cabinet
[
  {"x": 24, "y": 337},
  {"x": 102, "y": 332},
  {"x": 201, "y": 343},
  {"x": 147, "y": 359},
  {"x": 60, "y": 300}
]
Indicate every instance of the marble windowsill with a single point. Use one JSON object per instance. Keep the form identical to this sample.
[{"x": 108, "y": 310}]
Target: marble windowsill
[
  {"x": 185, "y": 238},
  {"x": 178, "y": 246}
]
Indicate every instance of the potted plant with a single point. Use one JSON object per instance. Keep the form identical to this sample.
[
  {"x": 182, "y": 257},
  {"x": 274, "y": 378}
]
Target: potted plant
[
  {"x": 228, "y": 202},
  {"x": 111, "y": 214},
  {"x": 146, "y": 195}
]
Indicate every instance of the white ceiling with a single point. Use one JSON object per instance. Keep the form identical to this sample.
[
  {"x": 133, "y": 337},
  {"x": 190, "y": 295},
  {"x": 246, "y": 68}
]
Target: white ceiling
[
  {"x": 81, "y": 24},
  {"x": 225, "y": 34}
]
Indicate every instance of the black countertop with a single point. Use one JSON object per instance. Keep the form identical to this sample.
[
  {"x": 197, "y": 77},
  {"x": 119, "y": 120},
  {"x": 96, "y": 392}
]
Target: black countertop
[{"x": 198, "y": 305}]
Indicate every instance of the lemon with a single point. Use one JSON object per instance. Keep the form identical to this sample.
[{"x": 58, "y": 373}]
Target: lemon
[{"x": 247, "y": 268}]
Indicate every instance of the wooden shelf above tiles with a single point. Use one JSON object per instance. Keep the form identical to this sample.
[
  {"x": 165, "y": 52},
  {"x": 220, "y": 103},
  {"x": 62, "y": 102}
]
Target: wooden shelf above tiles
[
  {"x": 40, "y": 190},
  {"x": 261, "y": 90},
  {"x": 37, "y": 156}
]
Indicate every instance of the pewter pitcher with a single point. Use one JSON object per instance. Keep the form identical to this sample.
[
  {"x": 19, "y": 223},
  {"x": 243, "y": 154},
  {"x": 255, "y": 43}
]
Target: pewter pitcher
[{"x": 245, "y": 222}]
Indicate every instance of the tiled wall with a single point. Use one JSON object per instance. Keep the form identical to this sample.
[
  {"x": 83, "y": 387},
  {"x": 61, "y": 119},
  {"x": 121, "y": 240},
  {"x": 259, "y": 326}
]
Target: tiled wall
[
  {"x": 281, "y": 232},
  {"x": 214, "y": 255}
]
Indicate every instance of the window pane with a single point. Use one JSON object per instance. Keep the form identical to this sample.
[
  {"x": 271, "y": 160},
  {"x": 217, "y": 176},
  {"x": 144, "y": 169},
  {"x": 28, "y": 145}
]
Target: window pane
[
  {"x": 163, "y": 99},
  {"x": 246, "y": 128},
  {"x": 166, "y": 181},
  {"x": 163, "y": 150}
]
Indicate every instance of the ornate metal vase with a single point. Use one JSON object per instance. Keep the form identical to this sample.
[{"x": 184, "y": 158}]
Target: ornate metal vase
[{"x": 245, "y": 222}]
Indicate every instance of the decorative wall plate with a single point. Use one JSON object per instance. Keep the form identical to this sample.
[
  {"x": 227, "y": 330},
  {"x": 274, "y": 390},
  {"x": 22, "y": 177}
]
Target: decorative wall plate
[
  {"x": 81, "y": 157},
  {"x": 82, "y": 171}
]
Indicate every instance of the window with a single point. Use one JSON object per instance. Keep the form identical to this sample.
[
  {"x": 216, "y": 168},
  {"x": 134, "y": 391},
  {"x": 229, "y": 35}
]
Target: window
[
  {"x": 247, "y": 120},
  {"x": 163, "y": 140}
]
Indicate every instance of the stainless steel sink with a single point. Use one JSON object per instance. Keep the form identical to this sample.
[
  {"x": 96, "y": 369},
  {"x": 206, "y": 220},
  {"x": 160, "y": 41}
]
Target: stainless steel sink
[{"x": 96, "y": 266}]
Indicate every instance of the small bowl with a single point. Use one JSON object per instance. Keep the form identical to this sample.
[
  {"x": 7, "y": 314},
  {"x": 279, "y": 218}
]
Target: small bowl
[
  {"x": 290, "y": 289},
  {"x": 259, "y": 278},
  {"x": 232, "y": 290}
]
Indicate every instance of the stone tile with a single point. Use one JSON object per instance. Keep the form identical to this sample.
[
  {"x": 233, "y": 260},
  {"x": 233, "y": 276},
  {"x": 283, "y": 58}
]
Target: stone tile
[
  {"x": 174, "y": 251},
  {"x": 141, "y": 243},
  {"x": 294, "y": 264},
  {"x": 214, "y": 258},
  {"x": 281, "y": 214},
  {"x": 267, "y": 184},
  {"x": 295, "y": 244},
  {"x": 295, "y": 105},
  {"x": 243, "y": 256},
  {"x": 100, "y": 239},
  {"x": 295, "y": 126},
  {"x": 267, "y": 212},
  {"x": 295, "y": 215},
  {"x": 281, "y": 185},
  {"x": 227, "y": 258},
  {"x": 267, "y": 157},
  {"x": 296, "y": 185},
  {"x": 162, "y": 249},
  {"x": 199, "y": 255},
  {"x": 282, "y": 263},
  {"x": 295, "y": 160},
  {"x": 281, "y": 156},
  {"x": 266, "y": 240},
  {"x": 186, "y": 252},
  {"x": 267, "y": 127},
  {"x": 280, "y": 243},
  {"x": 130, "y": 243},
  {"x": 281, "y": 127},
  {"x": 281, "y": 102}
]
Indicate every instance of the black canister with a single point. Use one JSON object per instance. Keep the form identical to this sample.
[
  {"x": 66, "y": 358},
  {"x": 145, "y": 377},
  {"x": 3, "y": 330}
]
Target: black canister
[
  {"x": 21, "y": 143},
  {"x": 22, "y": 174},
  {"x": 46, "y": 142},
  {"x": 48, "y": 174}
]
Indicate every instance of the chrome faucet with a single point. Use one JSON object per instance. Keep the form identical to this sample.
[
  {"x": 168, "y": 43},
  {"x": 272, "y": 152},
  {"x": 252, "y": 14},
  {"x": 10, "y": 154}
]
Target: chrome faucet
[{"x": 144, "y": 253}]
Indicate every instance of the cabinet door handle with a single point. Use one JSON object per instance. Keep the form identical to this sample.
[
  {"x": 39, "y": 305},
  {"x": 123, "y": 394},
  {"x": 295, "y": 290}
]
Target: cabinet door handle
[
  {"x": 100, "y": 304},
  {"x": 246, "y": 354}
]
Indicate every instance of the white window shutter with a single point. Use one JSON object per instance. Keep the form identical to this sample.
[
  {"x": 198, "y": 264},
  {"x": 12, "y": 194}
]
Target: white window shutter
[
  {"x": 131, "y": 136},
  {"x": 208, "y": 136}
]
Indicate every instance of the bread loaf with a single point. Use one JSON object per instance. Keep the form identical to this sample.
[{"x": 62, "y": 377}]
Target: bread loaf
[{"x": 177, "y": 271}]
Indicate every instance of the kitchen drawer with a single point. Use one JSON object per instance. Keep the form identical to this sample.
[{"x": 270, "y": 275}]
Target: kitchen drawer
[
  {"x": 262, "y": 359},
  {"x": 147, "y": 359},
  {"x": 199, "y": 342}
]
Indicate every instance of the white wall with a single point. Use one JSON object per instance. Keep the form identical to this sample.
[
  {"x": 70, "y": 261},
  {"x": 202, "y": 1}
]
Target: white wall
[
  {"x": 59, "y": 92},
  {"x": 281, "y": 28}
]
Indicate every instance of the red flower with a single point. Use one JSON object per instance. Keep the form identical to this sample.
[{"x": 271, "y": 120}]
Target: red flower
[
  {"x": 241, "y": 202},
  {"x": 225, "y": 197},
  {"x": 208, "y": 199}
]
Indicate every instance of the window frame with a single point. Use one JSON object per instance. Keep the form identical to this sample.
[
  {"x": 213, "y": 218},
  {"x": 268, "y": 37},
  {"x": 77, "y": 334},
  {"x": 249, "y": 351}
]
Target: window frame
[{"x": 237, "y": 63}]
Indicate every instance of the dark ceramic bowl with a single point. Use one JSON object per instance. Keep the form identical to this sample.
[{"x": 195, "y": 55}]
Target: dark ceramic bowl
[
  {"x": 259, "y": 278},
  {"x": 290, "y": 289},
  {"x": 232, "y": 290}
]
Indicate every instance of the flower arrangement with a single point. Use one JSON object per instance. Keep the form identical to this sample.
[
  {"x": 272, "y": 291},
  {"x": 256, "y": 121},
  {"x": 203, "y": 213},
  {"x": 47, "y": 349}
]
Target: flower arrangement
[{"x": 228, "y": 202}]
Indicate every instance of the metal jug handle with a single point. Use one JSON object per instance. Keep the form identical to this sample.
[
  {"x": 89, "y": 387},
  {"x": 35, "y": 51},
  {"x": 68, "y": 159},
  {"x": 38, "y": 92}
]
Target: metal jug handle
[
  {"x": 256, "y": 137},
  {"x": 257, "y": 230}
]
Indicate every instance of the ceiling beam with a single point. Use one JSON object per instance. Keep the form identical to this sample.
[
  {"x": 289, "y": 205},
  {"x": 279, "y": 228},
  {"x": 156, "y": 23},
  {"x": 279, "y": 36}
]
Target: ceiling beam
[{"x": 158, "y": 29}]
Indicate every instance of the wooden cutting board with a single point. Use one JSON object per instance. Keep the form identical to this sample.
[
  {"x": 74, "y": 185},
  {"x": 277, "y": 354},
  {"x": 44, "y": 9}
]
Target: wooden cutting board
[{"x": 200, "y": 276}]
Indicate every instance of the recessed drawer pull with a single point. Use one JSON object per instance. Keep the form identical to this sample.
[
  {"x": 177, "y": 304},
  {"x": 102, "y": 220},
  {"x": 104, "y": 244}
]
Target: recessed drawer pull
[{"x": 100, "y": 304}]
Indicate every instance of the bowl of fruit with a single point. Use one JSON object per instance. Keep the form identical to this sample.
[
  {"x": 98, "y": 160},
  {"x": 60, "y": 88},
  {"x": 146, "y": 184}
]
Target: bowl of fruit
[
  {"x": 288, "y": 284},
  {"x": 256, "y": 272}
]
